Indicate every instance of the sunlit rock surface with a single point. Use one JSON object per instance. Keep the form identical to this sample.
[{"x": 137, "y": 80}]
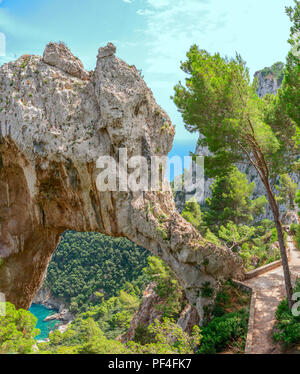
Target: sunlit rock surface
[{"x": 56, "y": 119}]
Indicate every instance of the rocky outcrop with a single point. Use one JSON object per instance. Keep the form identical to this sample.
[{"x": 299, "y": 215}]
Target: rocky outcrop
[
  {"x": 56, "y": 120},
  {"x": 150, "y": 310},
  {"x": 44, "y": 297},
  {"x": 147, "y": 312},
  {"x": 60, "y": 56},
  {"x": 64, "y": 316},
  {"x": 290, "y": 217},
  {"x": 267, "y": 82},
  {"x": 188, "y": 319}
]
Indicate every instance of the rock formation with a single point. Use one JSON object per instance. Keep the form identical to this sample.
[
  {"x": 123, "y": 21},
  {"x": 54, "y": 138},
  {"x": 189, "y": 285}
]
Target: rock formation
[
  {"x": 146, "y": 314},
  {"x": 267, "y": 81},
  {"x": 150, "y": 310},
  {"x": 56, "y": 120}
]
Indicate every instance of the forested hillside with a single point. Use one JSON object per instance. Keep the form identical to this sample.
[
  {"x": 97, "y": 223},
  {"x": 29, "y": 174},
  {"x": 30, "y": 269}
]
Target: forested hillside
[{"x": 86, "y": 265}]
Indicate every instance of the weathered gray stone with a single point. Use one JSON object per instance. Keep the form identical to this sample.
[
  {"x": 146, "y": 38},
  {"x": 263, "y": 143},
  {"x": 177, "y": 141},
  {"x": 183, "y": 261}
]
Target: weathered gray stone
[
  {"x": 59, "y": 55},
  {"x": 107, "y": 51},
  {"x": 54, "y": 127}
]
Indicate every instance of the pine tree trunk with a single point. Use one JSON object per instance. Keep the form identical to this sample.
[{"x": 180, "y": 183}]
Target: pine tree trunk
[{"x": 284, "y": 257}]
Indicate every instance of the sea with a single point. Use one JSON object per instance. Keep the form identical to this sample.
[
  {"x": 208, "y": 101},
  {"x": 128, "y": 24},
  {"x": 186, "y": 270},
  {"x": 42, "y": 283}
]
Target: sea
[{"x": 41, "y": 312}]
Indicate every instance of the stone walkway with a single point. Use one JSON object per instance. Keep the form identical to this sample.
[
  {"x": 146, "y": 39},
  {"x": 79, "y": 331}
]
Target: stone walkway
[{"x": 270, "y": 290}]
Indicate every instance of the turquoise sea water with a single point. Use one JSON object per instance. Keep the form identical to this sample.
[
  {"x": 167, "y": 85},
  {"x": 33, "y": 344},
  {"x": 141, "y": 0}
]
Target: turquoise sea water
[{"x": 41, "y": 312}]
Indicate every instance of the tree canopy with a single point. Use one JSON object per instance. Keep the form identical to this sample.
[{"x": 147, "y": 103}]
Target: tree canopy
[
  {"x": 219, "y": 102},
  {"x": 87, "y": 263},
  {"x": 231, "y": 201},
  {"x": 17, "y": 330}
]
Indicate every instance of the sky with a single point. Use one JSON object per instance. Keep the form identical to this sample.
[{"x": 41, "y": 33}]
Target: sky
[{"x": 153, "y": 35}]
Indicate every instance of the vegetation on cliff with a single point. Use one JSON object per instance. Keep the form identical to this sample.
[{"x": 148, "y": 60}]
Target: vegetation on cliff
[
  {"x": 277, "y": 70},
  {"x": 17, "y": 330},
  {"x": 86, "y": 264},
  {"x": 103, "y": 279},
  {"x": 218, "y": 101}
]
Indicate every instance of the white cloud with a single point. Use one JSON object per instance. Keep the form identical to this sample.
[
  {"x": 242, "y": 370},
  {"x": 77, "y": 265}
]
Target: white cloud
[
  {"x": 127, "y": 1},
  {"x": 145, "y": 12},
  {"x": 171, "y": 28}
]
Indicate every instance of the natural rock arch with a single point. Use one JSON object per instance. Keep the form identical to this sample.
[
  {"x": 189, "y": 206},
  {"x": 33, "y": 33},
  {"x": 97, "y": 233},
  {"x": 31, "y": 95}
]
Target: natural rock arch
[{"x": 56, "y": 119}]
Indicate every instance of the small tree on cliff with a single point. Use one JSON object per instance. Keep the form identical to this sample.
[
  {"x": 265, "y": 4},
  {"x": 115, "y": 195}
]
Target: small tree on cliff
[
  {"x": 231, "y": 201},
  {"x": 287, "y": 190},
  {"x": 219, "y": 102}
]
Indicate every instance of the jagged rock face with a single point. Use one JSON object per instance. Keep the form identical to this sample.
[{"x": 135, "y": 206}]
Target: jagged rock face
[
  {"x": 267, "y": 83},
  {"x": 188, "y": 319},
  {"x": 146, "y": 314},
  {"x": 150, "y": 310},
  {"x": 56, "y": 120}
]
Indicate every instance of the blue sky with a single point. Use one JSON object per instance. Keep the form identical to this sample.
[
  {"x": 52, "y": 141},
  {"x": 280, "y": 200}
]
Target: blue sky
[{"x": 154, "y": 35}]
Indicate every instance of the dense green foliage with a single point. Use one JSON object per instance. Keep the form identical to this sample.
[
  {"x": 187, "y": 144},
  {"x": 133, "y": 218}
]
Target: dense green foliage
[
  {"x": 297, "y": 236},
  {"x": 260, "y": 250},
  {"x": 229, "y": 326},
  {"x": 86, "y": 263},
  {"x": 291, "y": 85},
  {"x": 294, "y": 227},
  {"x": 231, "y": 201},
  {"x": 96, "y": 330},
  {"x": 277, "y": 70},
  {"x": 167, "y": 288},
  {"x": 255, "y": 244},
  {"x": 223, "y": 331},
  {"x": 17, "y": 330},
  {"x": 287, "y": 328},
  {"x": 192, "y": 213},
  {"x": 297, "y": 200},
  {"x": 87, "y": 338},
  {"x": 287, "y": 189},
  {"x": 113, "y": 315}
]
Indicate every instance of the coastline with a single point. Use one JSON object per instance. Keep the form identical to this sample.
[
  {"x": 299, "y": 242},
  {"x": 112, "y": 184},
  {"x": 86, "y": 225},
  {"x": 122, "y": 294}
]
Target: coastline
[{"x": 44, "y": 297}]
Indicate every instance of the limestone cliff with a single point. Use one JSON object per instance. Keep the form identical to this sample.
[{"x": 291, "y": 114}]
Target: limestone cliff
[
  {"x": 56, "y": 120},
  {"x": 269, "y": 80}
]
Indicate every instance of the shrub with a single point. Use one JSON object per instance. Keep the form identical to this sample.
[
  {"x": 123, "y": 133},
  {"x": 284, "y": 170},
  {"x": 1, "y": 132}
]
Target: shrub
[
  {"x": 287, "y": 327},
  {"x": 293, "y": 228},
  {"x": 222, "y": 331}
]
